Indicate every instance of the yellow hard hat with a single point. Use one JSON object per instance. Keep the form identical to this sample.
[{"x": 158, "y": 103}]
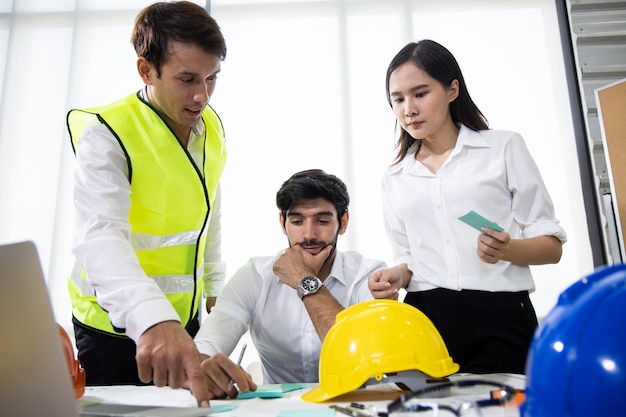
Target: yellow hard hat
[{"x": 374, "y": 338}]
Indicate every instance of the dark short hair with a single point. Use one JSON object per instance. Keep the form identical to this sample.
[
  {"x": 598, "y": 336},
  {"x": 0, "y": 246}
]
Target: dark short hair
[
  {"x": 310, "y": 184},
  {"x": 181, "y": 21}
]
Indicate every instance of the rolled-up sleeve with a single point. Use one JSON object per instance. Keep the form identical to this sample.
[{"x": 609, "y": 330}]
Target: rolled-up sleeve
[{"x": 532, "y": 206}]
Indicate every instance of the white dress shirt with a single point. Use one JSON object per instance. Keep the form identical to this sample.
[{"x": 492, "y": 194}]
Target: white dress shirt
[
  {"x": 102, "y": 241},
  {"x": 490, "y": 172},
  {"x": 280, "y": 327}
]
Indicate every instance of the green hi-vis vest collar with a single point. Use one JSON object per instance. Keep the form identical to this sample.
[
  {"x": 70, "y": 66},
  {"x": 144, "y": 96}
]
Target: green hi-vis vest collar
[{"x": 170, "y": 203}]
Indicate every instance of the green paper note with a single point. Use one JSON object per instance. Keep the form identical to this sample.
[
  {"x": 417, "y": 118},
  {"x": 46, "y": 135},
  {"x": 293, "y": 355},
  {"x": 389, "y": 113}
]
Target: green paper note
[
  {"x": 478, "y": 222},
  {"x": 223, "y": 408},
  {"x": 291, "y": 386},
  {"x": 272, "y": 390},
  {"x": 263, "y": 391}
]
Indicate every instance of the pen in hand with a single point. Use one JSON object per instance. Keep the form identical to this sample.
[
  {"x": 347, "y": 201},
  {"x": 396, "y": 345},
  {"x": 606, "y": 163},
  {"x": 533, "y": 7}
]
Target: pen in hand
[{"x": 243, "y": 350}]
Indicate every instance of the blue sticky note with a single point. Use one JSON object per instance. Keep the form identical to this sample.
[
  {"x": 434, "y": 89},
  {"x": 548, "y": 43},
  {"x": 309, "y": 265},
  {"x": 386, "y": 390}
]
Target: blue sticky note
[{"x": 478, "y": 222}]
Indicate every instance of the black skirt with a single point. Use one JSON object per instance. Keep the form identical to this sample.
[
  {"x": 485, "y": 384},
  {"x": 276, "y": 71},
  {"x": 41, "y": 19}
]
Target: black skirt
[{"x": 485, "y": 332}]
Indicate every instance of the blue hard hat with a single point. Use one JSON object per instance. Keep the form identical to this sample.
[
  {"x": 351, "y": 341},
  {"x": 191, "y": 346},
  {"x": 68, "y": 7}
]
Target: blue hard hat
[{"x": 577, "y": 359}]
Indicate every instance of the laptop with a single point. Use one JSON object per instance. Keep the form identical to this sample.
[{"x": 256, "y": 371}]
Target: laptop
[{"x": 34, "y": 375}]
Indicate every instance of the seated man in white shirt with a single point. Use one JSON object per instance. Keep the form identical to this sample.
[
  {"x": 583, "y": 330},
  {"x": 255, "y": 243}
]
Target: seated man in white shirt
[{"x": 290, "y": 300}]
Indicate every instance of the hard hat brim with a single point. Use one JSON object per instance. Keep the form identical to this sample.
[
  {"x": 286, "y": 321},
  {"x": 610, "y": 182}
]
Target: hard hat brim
[{"x": 316, "y": 395}]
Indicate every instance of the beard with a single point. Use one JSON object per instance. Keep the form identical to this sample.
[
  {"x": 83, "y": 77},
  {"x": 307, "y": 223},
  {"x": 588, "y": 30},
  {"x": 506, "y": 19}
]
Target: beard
[{"x": 322, "y": 244}]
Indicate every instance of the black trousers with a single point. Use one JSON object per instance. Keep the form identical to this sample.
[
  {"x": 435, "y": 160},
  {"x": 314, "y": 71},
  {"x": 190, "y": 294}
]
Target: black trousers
[
  {"x": 110, "y": 359},
  {"x": 485, "y": 332}
]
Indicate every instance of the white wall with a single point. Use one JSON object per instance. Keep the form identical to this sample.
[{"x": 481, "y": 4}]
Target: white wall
[{"x": 302, "y": 87}]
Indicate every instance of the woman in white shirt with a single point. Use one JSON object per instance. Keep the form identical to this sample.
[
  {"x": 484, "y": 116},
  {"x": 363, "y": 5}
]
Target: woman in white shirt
[{"x": 474, "y": 285}]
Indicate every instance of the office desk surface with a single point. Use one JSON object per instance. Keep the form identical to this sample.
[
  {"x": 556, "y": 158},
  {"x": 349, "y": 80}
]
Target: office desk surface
[{"x": 290, "y": 404}]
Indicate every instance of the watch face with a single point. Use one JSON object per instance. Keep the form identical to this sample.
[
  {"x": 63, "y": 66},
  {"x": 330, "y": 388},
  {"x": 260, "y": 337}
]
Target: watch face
[{"x": 309, "y": 284}]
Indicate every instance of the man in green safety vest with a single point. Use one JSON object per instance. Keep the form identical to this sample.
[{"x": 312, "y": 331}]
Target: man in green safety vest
[{"x": 147, "y": 203}]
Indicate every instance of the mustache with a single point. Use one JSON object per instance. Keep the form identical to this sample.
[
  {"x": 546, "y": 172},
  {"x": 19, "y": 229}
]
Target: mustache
[{"x": 312, "y": 243}]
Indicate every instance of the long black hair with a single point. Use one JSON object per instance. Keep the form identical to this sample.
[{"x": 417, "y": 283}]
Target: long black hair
[{"x": 439, "y": 63}]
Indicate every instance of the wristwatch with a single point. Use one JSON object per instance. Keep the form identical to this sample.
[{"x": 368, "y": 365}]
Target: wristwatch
[{"x": 309, "y": 285}]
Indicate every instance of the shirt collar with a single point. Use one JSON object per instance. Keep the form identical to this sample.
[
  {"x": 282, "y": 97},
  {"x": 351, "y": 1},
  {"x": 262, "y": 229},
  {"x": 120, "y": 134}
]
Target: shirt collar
[
  {"x": 197, "y": 130},
  {"x": 467, "y": 138},
  {"x": 470, "y": 138},
  {"x": 336, "y": 271}
]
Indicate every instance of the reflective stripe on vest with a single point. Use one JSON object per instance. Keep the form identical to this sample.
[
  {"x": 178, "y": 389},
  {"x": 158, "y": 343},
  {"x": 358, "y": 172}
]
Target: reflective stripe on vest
[
  {"x": 169, "y": 210},
  {"x": 142, "y": 241},
  {"x": 169, "y": 284}
]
